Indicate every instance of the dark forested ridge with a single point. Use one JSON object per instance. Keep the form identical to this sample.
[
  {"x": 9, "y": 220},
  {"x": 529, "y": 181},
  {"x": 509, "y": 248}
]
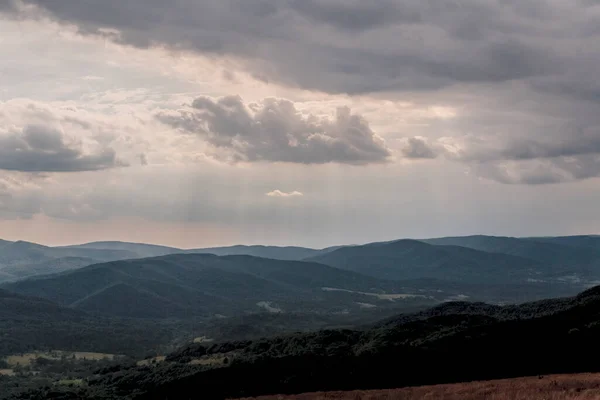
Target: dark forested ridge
[
  {"x": 449, "y": 343},
  {"x": 186, "y": 285},
  {"x": 412, "y": 259},
  {"x": 289, "y": 253}
]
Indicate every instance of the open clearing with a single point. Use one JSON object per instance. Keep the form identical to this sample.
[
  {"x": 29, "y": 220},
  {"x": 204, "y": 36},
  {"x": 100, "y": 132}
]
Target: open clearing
[
  {"x": 209, "y": 360},
  {"x": 380, "y": 296},
  {"x": 151, "y": 361},
  {"x": 551, "y": 387},
  {"x": 7, "y": 372},
  {"x": 26, "y": 359},
  {"x": 203, "y": 339}
]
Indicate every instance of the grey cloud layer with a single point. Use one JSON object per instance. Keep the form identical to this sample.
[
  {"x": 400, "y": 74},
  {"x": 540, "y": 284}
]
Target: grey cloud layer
[
  {"x": 275, "y": 130},
  {"x": 37, "y": 148},
  {"x": 547, "y": 50},
  {"x": 396, "y": 44},
  {"x": 570, "y": 155}
]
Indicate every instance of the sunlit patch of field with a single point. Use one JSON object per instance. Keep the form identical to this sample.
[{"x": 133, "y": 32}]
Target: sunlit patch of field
[
  {"x": 70, "y": 382},
  {"x": 551, "y": 387},
  {"x": 380, "y": 296},
  {"x": 150, "y": 361},
  {"x": 27, "y": 358},
  {"x": 7, "y": 372},
  {"x": 203, "y": 339},
  {"x": 209, "y": 360}
]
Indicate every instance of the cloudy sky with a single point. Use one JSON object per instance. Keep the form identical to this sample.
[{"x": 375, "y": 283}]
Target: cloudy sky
[{"x": 309, "y": 122}]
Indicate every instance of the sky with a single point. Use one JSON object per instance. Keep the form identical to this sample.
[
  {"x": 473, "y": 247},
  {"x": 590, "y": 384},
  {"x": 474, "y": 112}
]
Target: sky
[{"x": 297, "y": 122}]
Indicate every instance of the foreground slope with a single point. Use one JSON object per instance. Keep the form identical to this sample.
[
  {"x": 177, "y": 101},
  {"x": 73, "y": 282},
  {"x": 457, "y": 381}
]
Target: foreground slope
[
  {"x": 556, "y": 387},
  {"x": 185, "y": 285},
  {"x": 457, "y": 342}
]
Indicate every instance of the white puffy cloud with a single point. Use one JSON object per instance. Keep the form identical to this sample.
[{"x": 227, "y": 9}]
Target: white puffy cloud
[{"x": 275, "y": 130}]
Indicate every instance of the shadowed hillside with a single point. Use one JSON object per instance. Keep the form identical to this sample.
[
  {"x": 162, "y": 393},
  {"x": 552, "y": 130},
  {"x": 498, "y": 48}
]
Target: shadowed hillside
[
  {"x": 186, "y": 285},
  {"x": 411, "y": 259},
  {"x": 553, "y": 336}
]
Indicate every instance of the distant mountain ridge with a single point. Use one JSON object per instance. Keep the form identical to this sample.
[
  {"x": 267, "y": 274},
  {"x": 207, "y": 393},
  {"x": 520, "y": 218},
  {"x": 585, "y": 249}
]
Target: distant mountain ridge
[
  {"x": 412, "y": 259},
  {"x": 19, "y": 260}
]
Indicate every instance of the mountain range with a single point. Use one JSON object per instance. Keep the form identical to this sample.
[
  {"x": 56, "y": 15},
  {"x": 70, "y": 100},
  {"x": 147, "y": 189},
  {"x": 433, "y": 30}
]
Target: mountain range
[
  {"x": 114, "y": 278},
  {"x": 359, "y": 308},
  {"x": 185, "y": 285}
]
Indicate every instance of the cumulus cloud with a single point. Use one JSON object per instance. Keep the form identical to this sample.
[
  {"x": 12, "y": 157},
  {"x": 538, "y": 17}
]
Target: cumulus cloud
[
  {"x": 38, "y": 148},
  {"x": 275, "y": 130},
  {"x": 37, "y": 137},
  {"x": 279, "y": 193}
]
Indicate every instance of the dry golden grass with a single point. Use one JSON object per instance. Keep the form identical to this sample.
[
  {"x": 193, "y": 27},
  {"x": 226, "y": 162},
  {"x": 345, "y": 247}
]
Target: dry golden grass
[
  {"x": 551, "y": 387},
  {"x": 203, "y": 339},
  {"x": 208, "y": 360},
  {"x": 26, "y": 359},
  {"x": 7, "y": 372},
  {"x": 150, "y": 361}
]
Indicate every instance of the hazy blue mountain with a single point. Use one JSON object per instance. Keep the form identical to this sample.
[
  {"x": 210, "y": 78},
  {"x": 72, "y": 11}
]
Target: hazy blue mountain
[
  {"x": 185, "y": 285},
  {"x": 274, "y": 252},
  {"x": 411, "y": 259},
  {"x": 24, "y": 259},
  {"x": 591, "y": 241},
  {"x": 141, "y": 250},
  {"x": 567, "y": 262},
  {"x": 147, "y": 250}
]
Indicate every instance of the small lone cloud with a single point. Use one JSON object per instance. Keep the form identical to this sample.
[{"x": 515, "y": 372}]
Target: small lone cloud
[
  {"x": 418, "y": 148},
  {"x": 279, "y": 193},
  {"x": 143, "y": 159}
]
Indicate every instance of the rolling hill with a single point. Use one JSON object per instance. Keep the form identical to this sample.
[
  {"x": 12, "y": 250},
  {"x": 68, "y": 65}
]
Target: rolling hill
[
  {"x": 29, "y": 323},
  {"x": 566, "y": 254},
  {"x": 186, "y": 285},
  {"x": 20, "y": 259},
  {"x": 140, "y": 250},
  {"x": 411, "y": 259},
  {"x": 591, "y": 241},
  {"x": 290, "y": 253}
]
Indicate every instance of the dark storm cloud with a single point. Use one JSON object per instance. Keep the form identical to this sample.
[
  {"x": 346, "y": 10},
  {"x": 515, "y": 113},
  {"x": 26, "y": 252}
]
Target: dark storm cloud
[
  {"x": 275, "y": 130},
  {"x": 351, "y": 46},
  {"x": 569, "y": 143},
  {"x": 546, "y": 49},
  {"x": 41, "y": 149},
  {"x": 355, "y": 15}
]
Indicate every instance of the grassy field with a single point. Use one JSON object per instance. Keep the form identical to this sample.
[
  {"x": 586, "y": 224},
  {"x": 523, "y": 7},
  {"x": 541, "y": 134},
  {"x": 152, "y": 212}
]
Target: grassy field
[
  {"x": 24, "y": 360},
  {"x": 551, "y": 387},
  {"x": 150, "y": 361},
  {"x": 203, "y": 339},
  {"x": 208, "y": 360},
  {"x": 7, "y": 372}
]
